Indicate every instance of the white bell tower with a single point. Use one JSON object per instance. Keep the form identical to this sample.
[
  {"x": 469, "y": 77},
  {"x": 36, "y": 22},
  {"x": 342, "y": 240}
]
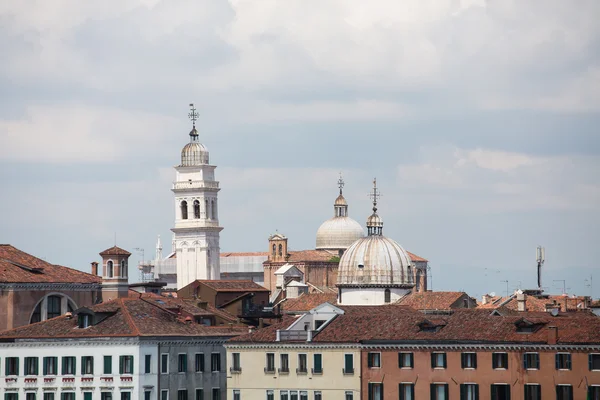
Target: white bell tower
[{"x": 196, "y": 231}]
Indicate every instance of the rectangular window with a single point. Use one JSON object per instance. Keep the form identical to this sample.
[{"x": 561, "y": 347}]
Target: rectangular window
[
  {"x": 106, "y": 396},
  {"x": 11, "y": 396},
  {"x": 11, "y": 366},
  {"x": 594, "y": 362},
  {"x": 235, "y": 362},
  {"x": 107, "y": 365},
  {"x": 182, "y": 363},
  {"x": 50, "y": 396},
  {"x": 125, "y": 395},
  {"x": 406, "y": 360},
  {"x": 215, "y": 362},
  {"x": 270, "y": 367},
  {"x": 500, "y": 391},
  {"x": 563, "y": 360},
  {"x": 302, "y": 364},
  {"x": 182, "y": 394},
  {"x": 67, "y": 396},
  {"x": 348, "y": 395},
  {"x": 317, "y": 364},
  {"x": 270, "y": 395},
  {"x": 164, "y": 395},
  {"x": 438, "y": 360},
  {"x": 236, "y": 395},
  {"x": 199, "y": 362},
  {"x": 407, "y": 391},
  {"x": 564, "y": 392},
  {"x": 164, "y": 364},
  {"x": 500, "y": 360},
  {"x": 375, "y": 391},
  {"x": 531, "y": 361},
  {"x": 199, "y": 394},
  {"x": 293, "y": 395},
  {"x": 439, "y": 391},
  {"x": 68, "y": 365},
  {"x": 284, "y": 395},
  {"x": 87, "y": 365},
  {"x": 87, "y": 395},
  {"x": 125, "y": 365},
  {"x": 147, "y": 395},
  {"x": 468, "y": 360},
  {"x": 31, "y": 396},
  {"x": 469, "y": 391},
  {"x": 374, "y": 360},
  {"x": 593, "y": 393},
  {"x": 31, "y": 365},
  {"x": 348, "y": 364},
  {"x": 284, "y": 363},
  {"x": 533, "y": 392},
  {"x": 148, "y": 363},
  {"x": 216, "y": 394},
  {"x": 317, "y": 395},
  {"x": 50, "y": 365},
  {"x": 303, "y": 395}
]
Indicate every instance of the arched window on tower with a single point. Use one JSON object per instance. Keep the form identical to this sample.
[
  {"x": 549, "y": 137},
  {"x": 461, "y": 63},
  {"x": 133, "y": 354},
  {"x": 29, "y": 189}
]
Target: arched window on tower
[
  {"x": 387, "y": 296},
  {"x": 274, "y": 250},
  {"x": 53, "y": 306},
  {"x": 207, "y": 209},
  {"x": 196, "y": 209},
  {"x": 109, "y": 269},
  {"x": 213, "y": 207},
  {"x": 124, "y": 268},
  {"x": 184, "y": 210},
  {"x": 410, "y": 274},
  {"x": 280, "y": 250}
]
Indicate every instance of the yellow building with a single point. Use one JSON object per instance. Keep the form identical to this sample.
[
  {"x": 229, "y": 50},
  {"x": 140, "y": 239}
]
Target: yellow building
[{"x": 283, "y": 363}]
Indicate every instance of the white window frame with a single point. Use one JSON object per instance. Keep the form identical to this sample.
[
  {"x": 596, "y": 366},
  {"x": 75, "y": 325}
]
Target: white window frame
[
  {"x": 538, "y": 357},
  {"x": 298, "y": 371},
  {"x": 499, "y": 352},
  {"x": 597, "y": 355},
  {"x": 164, "y": 391},
  {"x": 369, "y": 356},
  {"x": 570, "y": 359}
]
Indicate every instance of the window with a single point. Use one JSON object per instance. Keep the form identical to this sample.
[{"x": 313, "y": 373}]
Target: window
[
  {"x": 31, "y": 365},
  {"x": 184, "y": 210},
  {"x": 105, "y": 396},
  {"x": 235, "y": 362},
  {"x": 348, "y": 364},
  {"x": 500, "y": 391},
  {"x": 348, "y": 395},
  {"x": 406, "y": 360},
  {"x": 87, "y": 365},
  {"x": 182, "y": 363},
  {"x": 68, "y": 365},
  {"x": 164, "y": 363},
  {"x": 164, "y": 395},
  {"x": 53, "y": 306},
  {"x": 469, "y": 391},
  {"x": 564, "y": 392},
  {"x": 387, "y": 297},
  {"x": 67, "y": 396},
  {"x": 182, "y": 394},
  {"x": 107, "y": 364},
  {"x": 199, "y": 362},
  {"x": 593, "y": 393},
  {"x": 284, "y": 395},
  {"x": 317, "y": 364},
  {"x": 199, "y": 394},
  {"x": 109, "y": 269},
  {"x": 375, "y": 391},
  {"x": 468, "y": 360},
  {"x": 87, "y": 395},
  {"x": 11, "y": 366},
  {"x": 126, "y": 365},
  {"x": 438, "y": 360},
  {"x": 533, "y": 392},
  {"x": 11, "y": 396},
  {"x": 236, "y": 395},
  {"x": 274, "y": 250},
  {"x": 216, "y": 394},
  {"x": 270, "y": 362},
  {"x": 302, "y": 364},
  {"x": 407, "y": 391},
  {"x": 500, "y": 360},
  {"x": 374, "y": 360},
  {"x": 563, "y": 360},
  {"x": 531, "y": 361},
  {"x": 303, "y": 395},
  {"x": 37, "y": 314},
  {"x": 50, "y": 396},
  {"x": 125, "y": 395},
  {"x": 316, "y": 394},
  {"x": 439, "y": 391},
  {"x": 280, "y": 250},
  {"x": 215, "y": 362},
  {"x": 594, "y": 362},
  {"x": 31, "y": 396},
  {"x": 293, "y": 395},
  {"x": 196, "y": 209},
  {"x": 50, "y": 365},
  {"x": 147, "y": 395},
  {"x": 213, "y": 208},
  {"x": 270, "y": 395},
  {"x": 147, "y": 363},
  {"x": 123, "y": 270},
  {"x": 284, "y": 363}
]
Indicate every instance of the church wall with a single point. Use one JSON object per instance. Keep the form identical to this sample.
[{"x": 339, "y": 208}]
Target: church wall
[{"x": 370, "y": 296}]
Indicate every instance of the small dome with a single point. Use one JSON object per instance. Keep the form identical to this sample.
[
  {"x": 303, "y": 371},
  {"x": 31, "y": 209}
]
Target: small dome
[
  {"x": 194, "y": 153},
  {"x": 340, "y": 201},
  {"x": 338, "y": 233},
  {"x": 375, "y": 221}
]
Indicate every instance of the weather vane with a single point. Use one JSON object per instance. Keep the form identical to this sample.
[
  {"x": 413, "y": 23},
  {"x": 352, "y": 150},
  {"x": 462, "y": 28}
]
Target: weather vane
[
  {"x": 341, "y": 183},
  {"x": 375, "y": 195},
  {"x": 193, "y": 115}
]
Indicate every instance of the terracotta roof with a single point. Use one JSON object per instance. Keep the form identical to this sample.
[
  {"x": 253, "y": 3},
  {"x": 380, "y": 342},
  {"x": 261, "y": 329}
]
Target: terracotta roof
[
  {"x": 532, "y": 303},
  {"x": 431, "y": 300},
  {"x": 390, "y": 323},
  {"x": 248, "y": 254},
  {"x": 233, "y": 285},
  {"x": 310, "y": 255},
  {"x": 115, "y": 251},
  {"x": 16, "y": 266},
  {"x": 308, "y": 301},
  {"x": 127, "y": 317},
  {"x": 415, "y": 257},
  {"x": 190, "y": 307}
]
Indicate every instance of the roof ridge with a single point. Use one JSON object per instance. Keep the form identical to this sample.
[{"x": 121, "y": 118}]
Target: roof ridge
[{"x": 129, "y": 318}]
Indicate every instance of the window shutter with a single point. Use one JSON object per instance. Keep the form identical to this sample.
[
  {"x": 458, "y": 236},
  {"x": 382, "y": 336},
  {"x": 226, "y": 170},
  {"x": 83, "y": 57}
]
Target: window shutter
[
  {"x": 412, "y": 364},
  {"x": 445, "y": 365},
  {"x": 557, "y": 361},
  {"x": 400, "y": 362},
  {"x": 185, "y": 363},
  {"x": 494, "y": 393},
  {"x": 74, "y": 364},
  {"x": 82, "y": 365},
  {"x": 121, "y": 364},
  {"x": 432, "y": 386},
  {"x": 64, "y": 365},
  {"x": 45, "y": 366},
  {"x": 524, "y": 361},
  {"x": 18, "y": 370},
  {"x": 432, "y": 360},
  {"x": 412, "y": 391},
  {"x": 370, "y": 391},
  {"x": 463, "y": 391},
  {"x": 400, "y": 392},
  {"x": 569, "y": 361},
  {"x": 6, "y": 366},
  {"x": 475, "y": 360},
  {"x": 130, "y": 358},
  {"x": 463, "y": 361},
  {"x": 590, "y": 362},
  {"x": 445, "y": 389},
  {"x": 476, "y": 391},
  {"x": 558, "y": 396},
  {"x": 507, "y": 392},
  {"x": 36, "y": 365},
  {"x": 369, "y": 360},
  {"x": 537, "y": 361}
]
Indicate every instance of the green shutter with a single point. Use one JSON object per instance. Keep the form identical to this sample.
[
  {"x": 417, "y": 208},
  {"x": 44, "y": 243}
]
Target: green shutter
[
  {"x": 87, "y": 395},
  {"x": 45, "y": 366},
  {"x": 108, "y": 364},
  {"x": 121, "y": 364},
  {"x": 318, "y": 362},
  {"x": 36, "y": 364},
  {"x": 131, "y": 364},
  {"x": 432, "y": 388}
]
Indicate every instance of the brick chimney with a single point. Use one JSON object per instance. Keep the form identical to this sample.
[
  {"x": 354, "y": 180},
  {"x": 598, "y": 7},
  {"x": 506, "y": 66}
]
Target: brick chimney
[
  {"x": 521, "y": 305},
  {"x": 552, "y": 334},
  {"x": 94, "y": 268}
]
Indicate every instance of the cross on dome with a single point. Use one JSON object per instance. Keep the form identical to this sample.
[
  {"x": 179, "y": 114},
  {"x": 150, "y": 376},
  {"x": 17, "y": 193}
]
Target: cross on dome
[
  {"x": 341, "y": 183},
  {"x": 193, "y": 115},
  {"x": 375, "y": 194}
]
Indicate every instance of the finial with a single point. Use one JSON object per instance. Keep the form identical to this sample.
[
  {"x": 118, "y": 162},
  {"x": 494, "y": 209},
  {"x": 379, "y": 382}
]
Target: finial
[
  {"x": 375, "y": 195},
  {"x": 193, "y": 115},
  {"x": 341, "y": 183}
]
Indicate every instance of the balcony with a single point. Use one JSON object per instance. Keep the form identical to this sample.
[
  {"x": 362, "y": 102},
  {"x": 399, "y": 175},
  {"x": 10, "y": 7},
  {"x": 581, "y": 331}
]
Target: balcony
[
  {"x": 11, "y": 381},
  {"x": 49, "y": 379},
  {"x": 107, "y": 380},
  {"x": 348, "y": 371},
  {"x": 195, "y": 185},
  {"x": 301, "y": 371},
  {"x": 316, "y": 371},
  {"x": 269, "y": 370},
  {"x": 294, "y": 336},
  {"x": 235, "y": 370},
  {"x": 87, "y": 379},
  {"x": 283, "y": 371},
  {"x": 30, "y": 381}
]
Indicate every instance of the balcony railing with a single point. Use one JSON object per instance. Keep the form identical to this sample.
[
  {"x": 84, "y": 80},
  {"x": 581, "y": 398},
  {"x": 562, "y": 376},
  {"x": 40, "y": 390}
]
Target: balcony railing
[
  {"x": 348, "y": 371},
  {"x": 316, "y": 371},
  {"x": 269, "y": 370},
  {"x": 195, "y": 185},
  {"x": 283, "y": 370},
  {"x": 235, "y": 370},
  {"x": 301, "y": 371},
  {"x": 294, "y": 336}
]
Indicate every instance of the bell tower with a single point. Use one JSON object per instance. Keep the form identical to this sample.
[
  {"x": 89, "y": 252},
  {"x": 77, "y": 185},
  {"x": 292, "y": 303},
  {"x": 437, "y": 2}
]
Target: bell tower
[
  {"x": 278, "y": 251},
  {"x": 196, "y": 231}
]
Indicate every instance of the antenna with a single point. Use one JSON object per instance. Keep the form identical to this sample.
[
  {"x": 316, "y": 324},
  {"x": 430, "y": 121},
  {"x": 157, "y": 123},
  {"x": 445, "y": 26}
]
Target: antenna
[
  {"x": 506, "y": 281},
  {"x": 540, "y": 257}
]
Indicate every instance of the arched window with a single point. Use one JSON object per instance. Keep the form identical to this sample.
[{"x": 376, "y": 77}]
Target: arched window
[
  {"x": 196, "y": 209},
  {"x": 214, "y": 209},
  {"x": 206, "y": 209},
  {"x": 387, "y": 296},
  {"x": 53, "y": 306},
  {"x": 109, "y": 269},
  {"x": 410, "y": 274},
  {"x": 274, "y": 250},
  {"x": 37, "y": 314},
  {"x": 184, "y": 209},
  {"x": 280, "y": 250},
  {"x": 124, "y": 268}
]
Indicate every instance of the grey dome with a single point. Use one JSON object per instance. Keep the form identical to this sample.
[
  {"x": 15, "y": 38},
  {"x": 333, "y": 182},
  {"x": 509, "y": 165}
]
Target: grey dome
[
  {"x": 338, "y": 233},
  {"x": 194, "y": 153}
]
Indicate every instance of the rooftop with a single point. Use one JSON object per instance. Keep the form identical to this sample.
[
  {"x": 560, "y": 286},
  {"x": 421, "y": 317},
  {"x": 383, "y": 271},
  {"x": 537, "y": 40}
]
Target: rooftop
[
  {"x": 307, "y": 301},
  {"x": 115, "y": 251},
  {"x": 431, "y": 300},
  {"x": 233, "y": 285}
]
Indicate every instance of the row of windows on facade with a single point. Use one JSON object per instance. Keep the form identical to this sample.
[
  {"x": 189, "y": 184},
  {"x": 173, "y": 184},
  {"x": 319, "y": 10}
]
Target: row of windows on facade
[
  {"x": 284, "y": 363},
  {"x": 183, "y": 394},
  {"x": 110, "y": 269},
  {"x": 210, "y": 209},
  {"x": 499, "y": 360},
  {"x": 69, "y": 364},
  {"x": 126, "y": 395}
]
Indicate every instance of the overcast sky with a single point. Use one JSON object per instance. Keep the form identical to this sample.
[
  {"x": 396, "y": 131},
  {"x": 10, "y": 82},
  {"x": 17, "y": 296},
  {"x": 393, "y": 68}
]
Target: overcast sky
[{"x": 480, "y": 120}]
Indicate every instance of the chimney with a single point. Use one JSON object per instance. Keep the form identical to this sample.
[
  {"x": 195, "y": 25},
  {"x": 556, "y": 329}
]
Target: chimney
[
  {"x": 250, "y": 329},
  {"x": 552, "y": 335},
  {"x": 94, "y": 268},
  {"x": 485, "y": 298},
  {"x": 521, "y": 306},
  {"x": 261, "y": 323}
]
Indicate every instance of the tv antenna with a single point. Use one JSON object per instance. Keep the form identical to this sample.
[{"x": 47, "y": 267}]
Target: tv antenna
[
  {"x": 506, "y": 281},
  {"x": 540, "y": 257}
]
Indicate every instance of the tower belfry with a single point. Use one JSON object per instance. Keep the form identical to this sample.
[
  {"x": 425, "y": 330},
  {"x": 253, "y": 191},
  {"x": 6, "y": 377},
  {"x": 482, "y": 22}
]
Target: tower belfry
[{"x": 196, "y": 231}]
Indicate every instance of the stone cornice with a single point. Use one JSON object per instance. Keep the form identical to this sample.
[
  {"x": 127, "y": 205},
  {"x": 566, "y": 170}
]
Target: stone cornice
[
  {"x": 284, "y": 345},
  {"x": 114, "y": 341},
  {"x": 76, "y": 287}
]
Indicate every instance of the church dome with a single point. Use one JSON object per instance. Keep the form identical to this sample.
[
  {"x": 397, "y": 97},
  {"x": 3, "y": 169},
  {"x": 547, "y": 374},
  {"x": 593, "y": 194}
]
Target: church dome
[
  {"x": 194, "y": 153},
  {"x": 340, "y": 201}
]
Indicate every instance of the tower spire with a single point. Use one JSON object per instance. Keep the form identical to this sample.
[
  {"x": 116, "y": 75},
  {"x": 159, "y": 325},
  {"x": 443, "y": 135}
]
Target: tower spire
[
  {"x": 193, "y": 116},
  {"x": 341, "y": 183},
  {"x": 374, "y": 222},
  {"x": 375, "y": 195}
]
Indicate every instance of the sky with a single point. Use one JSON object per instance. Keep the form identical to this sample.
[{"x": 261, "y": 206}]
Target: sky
[{"x": 480, "y": 120}]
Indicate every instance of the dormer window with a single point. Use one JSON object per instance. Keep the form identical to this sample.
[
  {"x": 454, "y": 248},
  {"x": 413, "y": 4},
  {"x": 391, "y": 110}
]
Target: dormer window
[
  {"x": 525, "y": 326},
  {"x": 84, "y": 320},
  {"x": 431, "y": 326}
]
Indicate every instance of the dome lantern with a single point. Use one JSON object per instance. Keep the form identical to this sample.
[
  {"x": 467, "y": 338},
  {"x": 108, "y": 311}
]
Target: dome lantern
[{"x": 194, "y": 153}]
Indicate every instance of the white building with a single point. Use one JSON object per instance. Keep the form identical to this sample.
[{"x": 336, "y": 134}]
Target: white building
[{"x": 196, "y": 214}]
